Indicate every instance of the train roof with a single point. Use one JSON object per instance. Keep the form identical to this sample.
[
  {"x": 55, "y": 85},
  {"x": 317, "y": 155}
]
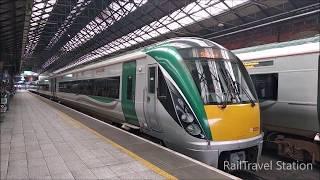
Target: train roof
[
  {"x": 301, "y": 46},
  {"x": 106, "y": 62},
  {"x": 180, "y": 42},
  {"x": 186, "y": 42}
]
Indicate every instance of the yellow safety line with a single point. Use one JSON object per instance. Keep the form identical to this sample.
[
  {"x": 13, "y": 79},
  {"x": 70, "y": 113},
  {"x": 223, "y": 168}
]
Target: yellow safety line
[{"x": 130, "y": 153}]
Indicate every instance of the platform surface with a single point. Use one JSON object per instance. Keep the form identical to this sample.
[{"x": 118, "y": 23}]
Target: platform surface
[{"x": 39, "y": 141}]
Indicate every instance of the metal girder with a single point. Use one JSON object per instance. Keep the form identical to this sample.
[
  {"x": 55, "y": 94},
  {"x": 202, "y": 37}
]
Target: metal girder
[
  {"x": 11, "y": 13},
  {"x": 234, "y": 12},
  {"x": 104, "y": 37},
  {"x": 80, "y": 22},
  {"x": 63, "y": 41},
  {"x": 296, "y": 13}
]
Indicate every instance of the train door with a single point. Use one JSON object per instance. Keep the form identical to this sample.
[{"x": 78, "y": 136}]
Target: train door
[
  {"x": 53, "y": 86},
  {"x": 151, "y": 99},
  {"x": 128, "y": 92},
  {"x": 318, "y": 98}
]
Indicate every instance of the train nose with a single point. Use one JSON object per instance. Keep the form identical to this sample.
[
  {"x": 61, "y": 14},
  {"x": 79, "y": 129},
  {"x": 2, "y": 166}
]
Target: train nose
[{"x": 239, "y": 121}]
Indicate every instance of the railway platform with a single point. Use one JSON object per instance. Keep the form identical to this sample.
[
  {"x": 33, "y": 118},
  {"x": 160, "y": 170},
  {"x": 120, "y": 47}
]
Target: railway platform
[{"x": 41, "y": 139}]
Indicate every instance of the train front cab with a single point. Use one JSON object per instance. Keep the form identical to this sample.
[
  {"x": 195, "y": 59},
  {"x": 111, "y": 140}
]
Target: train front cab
[{"x": 215, "y": 106}]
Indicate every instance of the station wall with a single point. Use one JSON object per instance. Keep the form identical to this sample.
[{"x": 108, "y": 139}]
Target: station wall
[{"x": 281, "y": 32}]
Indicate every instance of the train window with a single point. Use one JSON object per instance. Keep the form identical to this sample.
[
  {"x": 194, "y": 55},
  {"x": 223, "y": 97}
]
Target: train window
[
  {"x": 113, "y": 86},
  {"x": 163, "y": 91},
  {"x": 129, "y": 88},
  {"x": 85, "y": 87},
  {"x": 99, "y": 87},
  {"x": 164, "y": 95},
  {"x": 65, "y": 87},
  {"x": 75, "y": 87},
  {"x": 266, "y": 86},
  {"x": 61, "y": 87},
  {"x": 81, "y": 87},
  {"x": 44, "y": 87},
  {"x": 107, "y": 87},
  {"x": 68, "y": 88},
  {"x": 90, "y": 86},
  {"x": 151, "y": 80}
]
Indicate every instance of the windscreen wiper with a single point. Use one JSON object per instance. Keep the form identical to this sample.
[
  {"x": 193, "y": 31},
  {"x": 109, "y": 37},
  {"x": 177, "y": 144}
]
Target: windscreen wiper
[
  {"x": 231, "y": 89},
  {"x": 222, "y": 98},
  {"x": 246, "y": 93},
  {"x": 237, "y": 84}
]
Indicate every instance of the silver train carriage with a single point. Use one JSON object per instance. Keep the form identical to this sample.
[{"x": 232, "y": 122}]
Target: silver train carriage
[
  {"x": 193, "y": 94},
  {"x": 286, "y": 78}
]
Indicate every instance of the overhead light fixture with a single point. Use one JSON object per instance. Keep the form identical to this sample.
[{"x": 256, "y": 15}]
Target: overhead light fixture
[{"x": 220, "y": 24}]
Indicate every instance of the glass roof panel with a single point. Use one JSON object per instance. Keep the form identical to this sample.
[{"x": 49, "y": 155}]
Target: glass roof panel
[
  {"x": 139, "y": 39},
  {"x": 165, "y": 20},
  {"x": 179, "y": 19},
  {"x": 128, "y": 6},
  {"x": 198, "y": 16},
  {"x": 138, "y": 32},
  {"x": 174, "y": 26},
  {"x": 217, "y": 9},
  {"x": 192, "y": 9},
  {"x": 178, "y": 15},
  {"x": 233, "y": 3},
  {"x": 81, "y": 5},
  {"x": 45, "y": 16},
  {"x": 155, "y": 24},
  {"x": 115, "y": 6},
  {"x": 185, "y": 21},
  {"x": 47, "y": 10},
  {"x": 132, "y": 42},
  {"x": 39, "y": 16},
  {"x": 39, "y": 5},
  {"x": 154, "y": 33},
  {"x": 116, "y": 16},
  {"x": 37, "y": 13},
  {"x": 52, "y": 1},
  {"x": 112, "y": 13},
  {"x": 205, "y": 4}
]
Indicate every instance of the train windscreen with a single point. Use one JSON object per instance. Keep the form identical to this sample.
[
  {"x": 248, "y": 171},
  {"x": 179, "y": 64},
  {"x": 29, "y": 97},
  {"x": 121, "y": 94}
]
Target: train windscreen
[{"x": 219, "y": 76}]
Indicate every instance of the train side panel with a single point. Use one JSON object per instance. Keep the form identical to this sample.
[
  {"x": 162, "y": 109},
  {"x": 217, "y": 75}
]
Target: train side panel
[
  {"x": 141, "y": 76},
  {"x": 106, "y": 107},
  {"x": 293, "y": 108},
  {"x": 154, "y": 118}
]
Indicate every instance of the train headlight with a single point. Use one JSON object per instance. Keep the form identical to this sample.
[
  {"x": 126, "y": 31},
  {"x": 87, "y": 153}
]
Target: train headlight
[
  {"x": 181, "y": 103},
  {"x": 186, "y": 117},
  {"x": 193, "y": 129}
]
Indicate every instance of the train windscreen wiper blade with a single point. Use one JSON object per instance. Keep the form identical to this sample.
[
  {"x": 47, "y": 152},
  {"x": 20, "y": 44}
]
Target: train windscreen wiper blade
[
  {"x": 237, "y": 84},
  {"x": 243, "y": 89},
  {"x": 223, "y": 97},
  {"x": 203, "y": 80},
  {"x": 246, "y": 93},
  {"x": 230, "y": 90}
]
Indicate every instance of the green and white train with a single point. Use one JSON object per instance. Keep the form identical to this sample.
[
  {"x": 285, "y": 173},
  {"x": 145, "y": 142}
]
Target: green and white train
[{"x": 191, "y": 93}]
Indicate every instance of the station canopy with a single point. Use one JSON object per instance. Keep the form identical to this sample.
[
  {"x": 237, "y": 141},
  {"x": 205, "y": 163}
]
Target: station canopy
[{"x": 51, "y": 36}]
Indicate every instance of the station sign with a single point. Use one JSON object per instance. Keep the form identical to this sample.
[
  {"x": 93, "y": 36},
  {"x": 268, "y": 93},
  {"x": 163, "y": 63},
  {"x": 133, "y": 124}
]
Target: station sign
[{"x": 256, "y": 63}]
